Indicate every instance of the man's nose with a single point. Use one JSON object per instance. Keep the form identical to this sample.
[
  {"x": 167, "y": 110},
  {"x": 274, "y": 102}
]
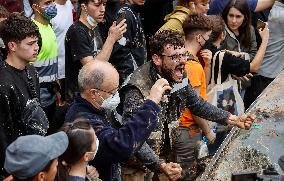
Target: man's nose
[
  {"x": 182, "y": 59},
  {"x": 103, "y": 8}
]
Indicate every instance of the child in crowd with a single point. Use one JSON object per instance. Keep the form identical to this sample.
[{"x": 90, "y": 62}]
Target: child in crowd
[{"x": 82, "y": 148}]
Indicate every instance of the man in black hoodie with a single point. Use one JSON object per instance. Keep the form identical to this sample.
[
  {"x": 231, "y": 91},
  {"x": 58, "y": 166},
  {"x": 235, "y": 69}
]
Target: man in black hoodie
[{"x": 20, "y": 113}]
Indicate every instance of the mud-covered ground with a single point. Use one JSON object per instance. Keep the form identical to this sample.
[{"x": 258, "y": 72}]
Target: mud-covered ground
[{"x": 250, "y": 151}]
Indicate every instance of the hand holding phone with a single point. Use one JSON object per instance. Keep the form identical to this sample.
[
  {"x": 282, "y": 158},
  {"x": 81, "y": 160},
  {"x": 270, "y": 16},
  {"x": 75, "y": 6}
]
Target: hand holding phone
[{"x": 120, "y": 17}]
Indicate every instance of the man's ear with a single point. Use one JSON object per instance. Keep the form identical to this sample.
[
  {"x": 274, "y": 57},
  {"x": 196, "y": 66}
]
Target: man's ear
[
  {"x": 157, "y": 60},
  {"x": 93, "y": 93},
  {"x": 12, "y": 46},
  {"x": 199, "y": 37}
]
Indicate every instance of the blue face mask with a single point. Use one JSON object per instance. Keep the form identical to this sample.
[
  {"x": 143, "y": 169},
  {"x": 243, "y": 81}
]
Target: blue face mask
[{"x": 49, "y": 11}]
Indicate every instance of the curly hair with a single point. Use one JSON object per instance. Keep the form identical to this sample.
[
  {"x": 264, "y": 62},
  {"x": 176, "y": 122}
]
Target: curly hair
[
  {"x": 163, "y": 38},
  {"x": 218, "y": 26},
  {"x": 196, "y": 22},
  {"x": 16, "y": 28}
]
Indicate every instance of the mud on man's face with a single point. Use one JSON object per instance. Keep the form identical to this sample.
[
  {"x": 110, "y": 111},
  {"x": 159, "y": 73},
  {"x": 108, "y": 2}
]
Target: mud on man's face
[{"x": 173, "y": 61}]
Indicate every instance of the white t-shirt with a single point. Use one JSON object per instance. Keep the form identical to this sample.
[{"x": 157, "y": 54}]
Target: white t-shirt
[
  {"x": 60, "y": 24},
  {"x": 27, "y": 8}
]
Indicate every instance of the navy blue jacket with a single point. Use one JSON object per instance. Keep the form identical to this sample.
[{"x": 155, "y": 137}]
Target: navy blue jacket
[{"x": 116, "y": 145}]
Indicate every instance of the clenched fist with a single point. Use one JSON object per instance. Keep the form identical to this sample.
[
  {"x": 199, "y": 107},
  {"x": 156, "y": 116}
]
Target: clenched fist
[{"x": 158, "y": 89}]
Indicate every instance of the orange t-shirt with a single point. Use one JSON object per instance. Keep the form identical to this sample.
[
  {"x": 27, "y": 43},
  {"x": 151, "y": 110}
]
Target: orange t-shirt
[{"x": 196, "y": 76}]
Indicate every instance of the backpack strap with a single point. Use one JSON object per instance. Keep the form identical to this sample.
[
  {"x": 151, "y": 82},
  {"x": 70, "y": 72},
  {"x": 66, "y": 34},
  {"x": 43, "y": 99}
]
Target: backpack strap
[{"x": 221, "y": 57}]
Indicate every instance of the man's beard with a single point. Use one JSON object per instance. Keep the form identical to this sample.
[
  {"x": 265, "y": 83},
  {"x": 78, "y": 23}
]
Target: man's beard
[{"x": 168, "y": 74}]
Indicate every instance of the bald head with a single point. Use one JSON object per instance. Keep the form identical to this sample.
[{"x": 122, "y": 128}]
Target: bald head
[{"x": 98, "y": 74}]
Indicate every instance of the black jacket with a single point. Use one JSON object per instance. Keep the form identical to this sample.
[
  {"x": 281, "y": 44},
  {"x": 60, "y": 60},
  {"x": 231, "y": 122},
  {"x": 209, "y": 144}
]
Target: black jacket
[
  {"x": 14, "y": 95},
  {"x": 134, "y": 54}
]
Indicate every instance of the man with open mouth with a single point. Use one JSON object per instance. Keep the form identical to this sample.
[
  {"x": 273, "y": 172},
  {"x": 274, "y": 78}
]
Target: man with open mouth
[{"x": 168, "y": 60}]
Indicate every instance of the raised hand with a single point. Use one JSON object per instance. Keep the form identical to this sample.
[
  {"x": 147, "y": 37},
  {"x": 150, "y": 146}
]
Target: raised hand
[
  {"x": 158, "y": 89},
  {"x": 116, "y": 30}
]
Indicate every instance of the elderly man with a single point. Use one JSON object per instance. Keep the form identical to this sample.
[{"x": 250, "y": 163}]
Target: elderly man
[
  {"x": 98, "y": 82},
  {"x": 168, "y": 60},
  {"x": 20, "y": 112}
]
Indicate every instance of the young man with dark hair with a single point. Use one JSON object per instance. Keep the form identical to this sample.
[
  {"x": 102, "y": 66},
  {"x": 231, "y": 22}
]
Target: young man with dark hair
[
  {"x": 20, "y": 113},
  {"x": 47, "y": 60},
  {"x": 197, "y": 29},
  {"x": 34, "y": 157},
  {"x": 84, "y": 43}
]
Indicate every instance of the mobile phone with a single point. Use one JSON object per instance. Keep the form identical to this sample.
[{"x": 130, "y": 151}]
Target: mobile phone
[
  {"x": 260, "y": 24},
  {"x": 120, "y": 17}
]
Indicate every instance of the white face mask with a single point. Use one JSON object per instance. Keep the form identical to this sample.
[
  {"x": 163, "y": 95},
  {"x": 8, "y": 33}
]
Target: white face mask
[
  {"x": 112, "y": 102},
  {"x": 91, "y": 21},
  {"x": 97, "y": 147},
  {"x": 95, "y": 152}
]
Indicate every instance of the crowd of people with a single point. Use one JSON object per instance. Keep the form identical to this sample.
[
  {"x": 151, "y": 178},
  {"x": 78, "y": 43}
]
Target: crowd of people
[{"x": 117, "y": 90}]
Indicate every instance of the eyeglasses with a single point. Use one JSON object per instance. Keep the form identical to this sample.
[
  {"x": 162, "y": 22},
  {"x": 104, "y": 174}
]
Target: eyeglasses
[
  {"x": 177, "y": 57},
  {"x": 109, "y": 92}
]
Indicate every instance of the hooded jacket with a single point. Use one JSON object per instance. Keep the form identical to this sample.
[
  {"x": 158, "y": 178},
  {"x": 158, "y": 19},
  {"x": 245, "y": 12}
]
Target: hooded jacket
[
  {"x": 232, "y": 43},
  {"x": 175, "y": 19}
]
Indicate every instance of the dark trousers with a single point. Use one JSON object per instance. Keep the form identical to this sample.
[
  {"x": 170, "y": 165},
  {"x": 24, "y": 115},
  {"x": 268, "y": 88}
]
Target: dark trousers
[
  {"x": 258, "y": 84},
  {"x": 185, "y": 151}
]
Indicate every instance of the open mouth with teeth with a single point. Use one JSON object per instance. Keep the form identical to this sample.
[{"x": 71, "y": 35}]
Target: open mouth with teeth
[{"x": 178, "y": 72}]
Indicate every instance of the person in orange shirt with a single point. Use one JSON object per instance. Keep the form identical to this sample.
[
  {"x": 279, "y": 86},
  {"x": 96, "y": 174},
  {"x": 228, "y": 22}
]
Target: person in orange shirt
[{"x": 197, "y": 29}]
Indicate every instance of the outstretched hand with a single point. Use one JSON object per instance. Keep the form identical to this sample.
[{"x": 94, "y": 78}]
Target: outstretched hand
[{"x": 244, "y": 121}]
